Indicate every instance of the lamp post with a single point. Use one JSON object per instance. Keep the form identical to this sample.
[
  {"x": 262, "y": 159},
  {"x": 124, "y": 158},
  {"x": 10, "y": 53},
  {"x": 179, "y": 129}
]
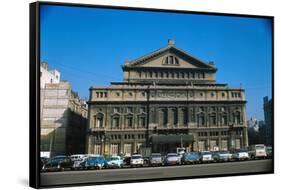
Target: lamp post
[{"x": 102, "y": 145}]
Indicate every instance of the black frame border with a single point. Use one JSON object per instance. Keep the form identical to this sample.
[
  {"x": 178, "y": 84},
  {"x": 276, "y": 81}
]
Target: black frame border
[{"x": 34, "y": 89}]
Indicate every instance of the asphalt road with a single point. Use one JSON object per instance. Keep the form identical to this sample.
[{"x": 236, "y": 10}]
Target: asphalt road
[{"x": 113, "y": 175}]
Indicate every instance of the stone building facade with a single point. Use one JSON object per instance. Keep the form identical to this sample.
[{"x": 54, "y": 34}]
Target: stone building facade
[
  {"x": 168, "y": 99},
  {"x": 63, "y": 116}
]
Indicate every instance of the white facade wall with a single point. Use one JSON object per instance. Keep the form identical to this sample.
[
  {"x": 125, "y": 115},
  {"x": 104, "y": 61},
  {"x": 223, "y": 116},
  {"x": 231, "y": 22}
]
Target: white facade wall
[{"x": 48, "y": 76}]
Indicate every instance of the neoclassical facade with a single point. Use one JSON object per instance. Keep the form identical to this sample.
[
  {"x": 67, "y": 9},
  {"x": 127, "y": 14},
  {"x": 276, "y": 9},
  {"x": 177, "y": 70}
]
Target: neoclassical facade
[{"x": 168, "y": 99}]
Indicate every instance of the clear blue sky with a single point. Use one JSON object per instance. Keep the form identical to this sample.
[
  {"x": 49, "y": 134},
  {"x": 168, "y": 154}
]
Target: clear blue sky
[{"x": 88, "y": 46}]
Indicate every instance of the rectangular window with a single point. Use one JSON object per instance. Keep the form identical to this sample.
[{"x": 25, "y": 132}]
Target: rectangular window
[
  {"x": 201, "y": 146},
  {"x": 213, "y": 145},
  {"x": 97, "y": 149},
  {"x": 142, "y": 122},
  {"x": 237, "y": 143},
  {"x": 115, "y": 123},
  {"x": 224, "y": 145},
  {"x": 127, "y": 149},
  {"x": 114, "y": 149}
]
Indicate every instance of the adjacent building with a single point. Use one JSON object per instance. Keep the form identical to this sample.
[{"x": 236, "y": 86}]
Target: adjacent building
[
  {"x": 168, "y": 99},
  {"x": 256, "y": 131},
  {"x": 268, "y": 117},
  {"x": 63, "y": 116}
]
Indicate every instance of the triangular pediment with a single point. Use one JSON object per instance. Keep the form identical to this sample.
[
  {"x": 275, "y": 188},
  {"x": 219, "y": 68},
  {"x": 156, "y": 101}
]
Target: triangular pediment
[{"x": 169, "y": 57}]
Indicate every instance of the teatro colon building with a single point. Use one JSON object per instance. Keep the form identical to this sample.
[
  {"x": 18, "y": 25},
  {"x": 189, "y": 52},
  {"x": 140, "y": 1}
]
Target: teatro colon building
[{"x": 167, "y": 99}]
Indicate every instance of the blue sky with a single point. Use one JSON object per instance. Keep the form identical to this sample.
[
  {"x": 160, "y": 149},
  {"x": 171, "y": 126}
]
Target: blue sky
[{"x": 89, "y": 45}]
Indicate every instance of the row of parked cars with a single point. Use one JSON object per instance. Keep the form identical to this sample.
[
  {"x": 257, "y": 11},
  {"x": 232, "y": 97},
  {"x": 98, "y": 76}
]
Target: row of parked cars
[{"x": 91, "y": 161}]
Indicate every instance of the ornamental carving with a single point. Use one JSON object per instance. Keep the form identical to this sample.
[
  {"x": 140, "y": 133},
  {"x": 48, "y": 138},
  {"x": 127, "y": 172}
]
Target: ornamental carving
[{"x": 171, "y": 94}]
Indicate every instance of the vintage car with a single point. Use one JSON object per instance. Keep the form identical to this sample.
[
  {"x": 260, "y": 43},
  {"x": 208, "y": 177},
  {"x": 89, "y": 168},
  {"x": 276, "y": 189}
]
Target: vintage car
[
  {"x": 136, "y": 160},
  {"x": 79, "y": 162},
  {"x": 58, "y": 163},
  {"x": 95, "y": 162},
  {"x": 269, "y": 152},
  {"x": 127, "y": 160},
  {"x": 190, "y": 158},
  {"x": 206, "y": 156},
  {"x": 240, "y": 155},
  {"x": 257, "y": 151},
  {"x": 155, "y": 159},
  {"x": 172, "y": 159},
  {"x": 220, "y": 156},
  {"x": 114, "y": 162}
]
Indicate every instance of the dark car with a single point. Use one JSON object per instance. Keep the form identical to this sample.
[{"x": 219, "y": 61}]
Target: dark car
[
  {"x": 58, "y": 163},
  {"x": 127, "y": 160},
  {"x": 190, "y": 158},
  {"x": 43, "y": 161},
  {"x": 269, "y": 151}
]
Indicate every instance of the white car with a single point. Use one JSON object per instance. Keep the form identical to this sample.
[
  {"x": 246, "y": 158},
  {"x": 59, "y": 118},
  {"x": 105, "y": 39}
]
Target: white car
[
  {"x": 241, "y": 155},
  {"x": 136, "y": 160},
  {"x": 77, "y": 163},
  {"x": 172, "y": 159},
  {"x": 206, "y": 156}
]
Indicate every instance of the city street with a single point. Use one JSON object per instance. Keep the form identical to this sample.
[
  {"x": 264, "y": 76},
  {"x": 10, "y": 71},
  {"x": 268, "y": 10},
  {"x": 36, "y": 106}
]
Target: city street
[{"x": 106, "y": 175}]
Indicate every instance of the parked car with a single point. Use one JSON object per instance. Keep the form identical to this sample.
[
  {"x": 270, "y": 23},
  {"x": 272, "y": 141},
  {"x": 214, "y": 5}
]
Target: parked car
[
  {"x": 127, "y": 160},
  {"x": 206, "y": 156},
  {"x": 114, "y": 162},
  {"x": 155, "y": 159},
  {"x": 136, "y": 160},
  {"x": 58, "y": 163},
  {"x": 146, "y": 160},
  {"x": 190, "y": 157},
  {"x": 43, "y": 161},
  {"x": 172, "y": 159},
  {"x": 222, "y": 156},
  {"x": 79, "y": 163},
  {"x": 75, "y": 157},
  {"x": 257, "y": 151},
  {"x": 269, "y": 152},
  {"x": 240, "y": 155},
  {"x": 95, "y": 162}
]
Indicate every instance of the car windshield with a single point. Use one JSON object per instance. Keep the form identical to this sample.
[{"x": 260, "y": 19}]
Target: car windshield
[
  {"x": 206, "y": 153},
  {"x": 156, "y": 155},
  {"x": 224, "y": 152},
  {"x": 171, "y": 155},
  {"x": 58, "y": 158},
  {"x": 136, "y": 157},
  {"x": 259, "y": 147},
  {"x": 192, "y": 153},
  {"x": 114, "y": 158},
  {"x": 94, "y": 158}
]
